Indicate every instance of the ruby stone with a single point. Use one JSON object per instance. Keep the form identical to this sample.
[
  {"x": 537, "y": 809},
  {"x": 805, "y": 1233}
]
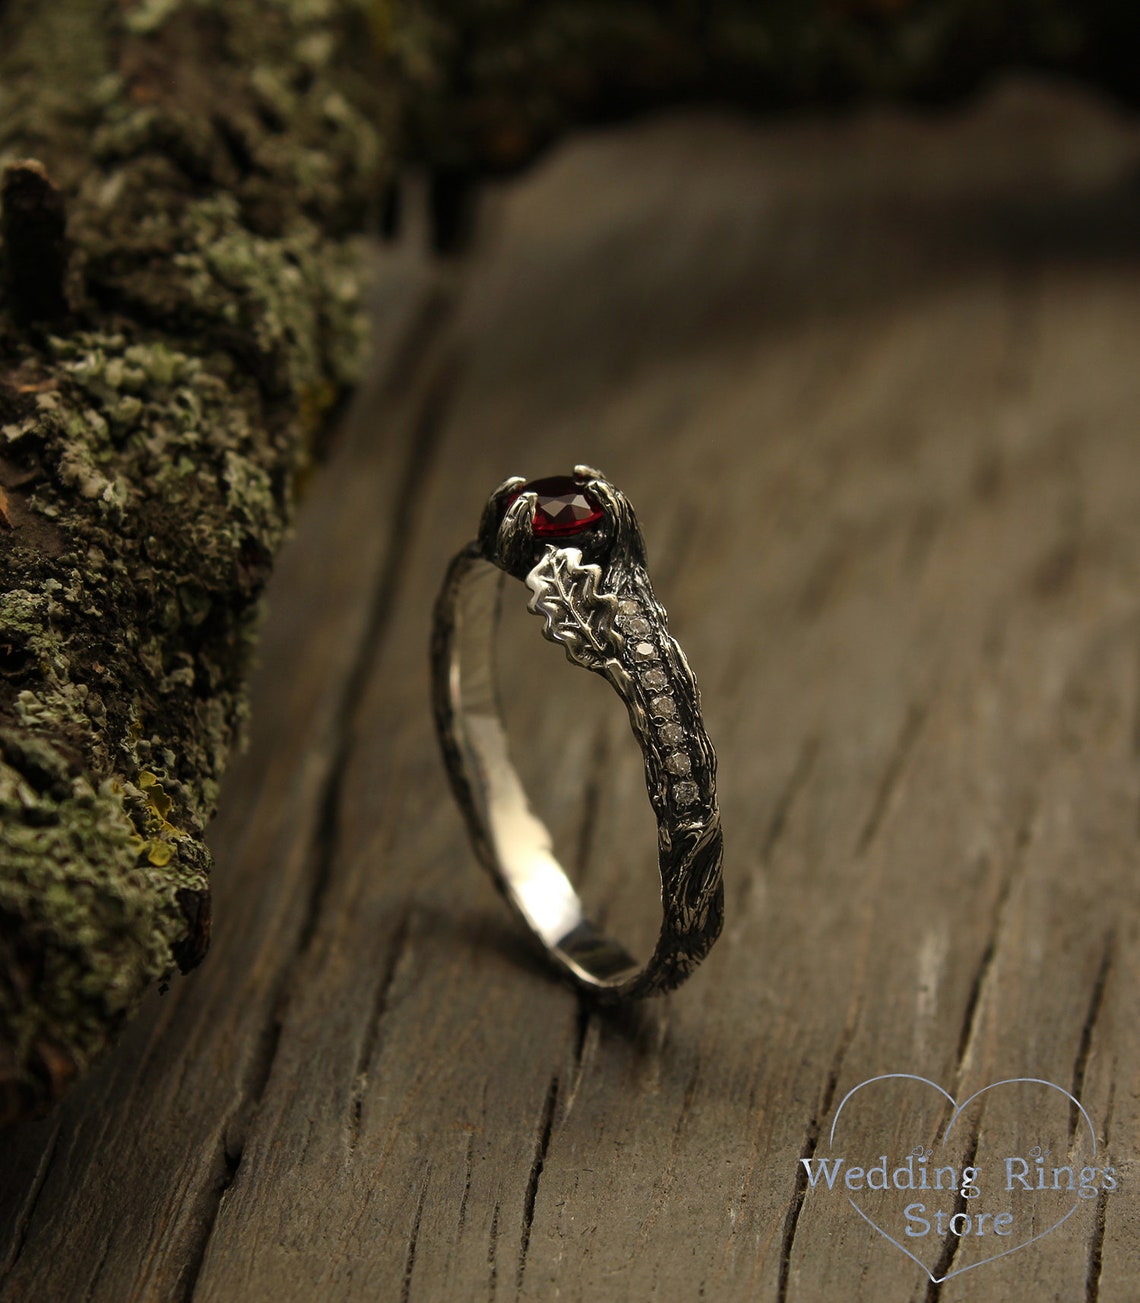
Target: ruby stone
[{"x": 563, "y": 506}]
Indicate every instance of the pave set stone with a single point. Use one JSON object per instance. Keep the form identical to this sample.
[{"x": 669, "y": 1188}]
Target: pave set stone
[
  {"x": 672, "y": 734},
  {"x": 662, "y": 707}
]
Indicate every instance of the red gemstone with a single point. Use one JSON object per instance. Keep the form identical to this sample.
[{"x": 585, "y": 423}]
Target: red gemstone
[{"x": 563, "y": 507}]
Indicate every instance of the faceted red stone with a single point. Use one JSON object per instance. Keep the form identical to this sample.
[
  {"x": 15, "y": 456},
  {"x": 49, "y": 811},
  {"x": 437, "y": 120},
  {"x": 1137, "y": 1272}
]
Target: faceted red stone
[{"x": 563, "y": 507}]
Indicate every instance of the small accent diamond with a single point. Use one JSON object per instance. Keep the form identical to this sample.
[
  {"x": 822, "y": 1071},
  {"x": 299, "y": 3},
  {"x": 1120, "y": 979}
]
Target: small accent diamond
[
  {"x": 637, "y": 627},
  {"x": 663, "y": 707},
  {"x": 645, "y": 651},
  {"x": 685, "y": 793},
  {"x": 655, "y": 679},
  {"x": 672, "y": 734},
  {"x": 678, "y": 763},
  {"x": 628, "y": 607}
]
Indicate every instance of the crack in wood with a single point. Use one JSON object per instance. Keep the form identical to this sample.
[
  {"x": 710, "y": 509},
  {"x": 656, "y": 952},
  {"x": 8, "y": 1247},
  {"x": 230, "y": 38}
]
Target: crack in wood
[
  {"x": 896, "y": 764},
  {"x": 493, "y": 1253},
  {"x": 1084, "y": 1049},
  {"x": 90, "y": 1292},
  {"x": 1096, "y": 1250},
  {"x": 371, "y": 1039},
  {"x": 546, "y": 1130},
  {"x": 792, "y": 1216},
  {"x": 582, "y": 1028},
  {"x": 235, "y": 1132},
  {"x": 260, "y": 1070},
  {"x": 811, "y": 1141},
  {"x": 989, "y": 951},
  {"x": 740, "y": 1202},
  {"x": 952, "y": 1243},
  {"x": 413, "y": 1242},
  {"x": 1096, "y": 1242},
  {"x": 27, "y": 1211},
  {"x": 585, "y": 1023},
  {"x": 468, "y": 1173},
  {"x": 973, "y": 1001}
]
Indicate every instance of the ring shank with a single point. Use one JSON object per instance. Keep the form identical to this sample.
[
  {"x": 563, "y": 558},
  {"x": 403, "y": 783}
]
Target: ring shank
[{"x": 513, "y": 841}]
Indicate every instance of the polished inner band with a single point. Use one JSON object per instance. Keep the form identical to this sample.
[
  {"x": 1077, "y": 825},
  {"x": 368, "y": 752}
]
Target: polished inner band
[{"x": 518, "y": 842}]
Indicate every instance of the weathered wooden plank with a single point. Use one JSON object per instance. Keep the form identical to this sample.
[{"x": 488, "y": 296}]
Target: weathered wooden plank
[{"x": 872, "y": 389}]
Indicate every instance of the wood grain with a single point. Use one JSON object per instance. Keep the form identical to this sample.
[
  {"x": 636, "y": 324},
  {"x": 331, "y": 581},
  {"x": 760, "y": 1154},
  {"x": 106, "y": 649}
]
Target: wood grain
[{"x": 872, "y": 386}]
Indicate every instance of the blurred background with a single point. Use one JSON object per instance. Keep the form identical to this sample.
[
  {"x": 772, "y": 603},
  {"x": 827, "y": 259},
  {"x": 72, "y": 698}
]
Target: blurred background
[{"x": 488, "y": 86}]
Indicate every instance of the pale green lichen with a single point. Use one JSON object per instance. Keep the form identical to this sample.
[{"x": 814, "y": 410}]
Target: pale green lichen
[
  {"x": 97, "y": 927},
  {"x": 221, "y": 322},
  {"x": 147, "y": 16}
]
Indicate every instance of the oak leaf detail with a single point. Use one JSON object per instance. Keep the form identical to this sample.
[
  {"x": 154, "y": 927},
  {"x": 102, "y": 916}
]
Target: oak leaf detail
[{"x": 577, "y": 614}]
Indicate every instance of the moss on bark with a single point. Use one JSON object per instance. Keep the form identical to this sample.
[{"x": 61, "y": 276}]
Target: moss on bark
[{"x": 213, "y": 161}]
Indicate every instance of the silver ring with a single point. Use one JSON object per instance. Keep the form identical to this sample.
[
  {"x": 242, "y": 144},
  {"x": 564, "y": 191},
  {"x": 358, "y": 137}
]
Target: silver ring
[{"x": 576, "y": 545}]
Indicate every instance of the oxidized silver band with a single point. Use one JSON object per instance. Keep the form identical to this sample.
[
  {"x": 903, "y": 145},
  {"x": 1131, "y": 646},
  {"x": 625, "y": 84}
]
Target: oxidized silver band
[{"x": 577, "y": 546}]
